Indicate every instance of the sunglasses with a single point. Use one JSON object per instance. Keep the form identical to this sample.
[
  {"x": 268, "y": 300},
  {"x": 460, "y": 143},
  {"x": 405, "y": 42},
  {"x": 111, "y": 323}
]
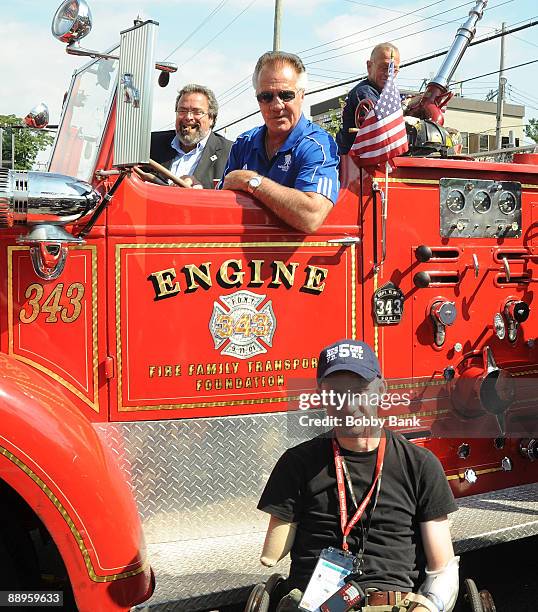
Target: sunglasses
[{"x": 265, "y": 97}]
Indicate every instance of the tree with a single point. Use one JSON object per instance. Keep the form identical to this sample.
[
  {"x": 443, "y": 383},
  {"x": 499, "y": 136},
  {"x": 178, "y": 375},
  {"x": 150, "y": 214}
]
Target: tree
[
  {"x": 335, "y": 119},
  {"x": 28, "y": 142},
  {"x": 531, "y": 130}
]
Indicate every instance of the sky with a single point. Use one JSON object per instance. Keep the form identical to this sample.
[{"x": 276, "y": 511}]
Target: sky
[{"x": 217, "y": 43}]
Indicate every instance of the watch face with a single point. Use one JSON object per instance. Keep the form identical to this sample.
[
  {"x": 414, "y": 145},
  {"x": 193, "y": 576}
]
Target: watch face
[{"x": 254, "y": 183}]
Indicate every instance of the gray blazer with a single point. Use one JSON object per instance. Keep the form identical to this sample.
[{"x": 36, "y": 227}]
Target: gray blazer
[{"x": 212, "y": 163}]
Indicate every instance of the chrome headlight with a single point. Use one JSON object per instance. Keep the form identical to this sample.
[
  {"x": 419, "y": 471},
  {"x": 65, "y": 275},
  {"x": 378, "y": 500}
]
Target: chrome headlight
[{"x": 40, "y": 197}]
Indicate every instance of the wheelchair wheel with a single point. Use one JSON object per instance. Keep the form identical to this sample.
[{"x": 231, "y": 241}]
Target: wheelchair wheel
[
  {"x": 258, "y": 600},
  {"x": 471, "y": 596},
  {"x": 272, "y": 582}
]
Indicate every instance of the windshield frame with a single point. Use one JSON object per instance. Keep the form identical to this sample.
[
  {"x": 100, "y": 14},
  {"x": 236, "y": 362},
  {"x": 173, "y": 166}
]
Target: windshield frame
[{"x": 66, "y": 107}]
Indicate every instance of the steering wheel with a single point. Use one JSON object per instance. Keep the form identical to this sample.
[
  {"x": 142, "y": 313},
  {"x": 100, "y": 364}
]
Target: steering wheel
[{"x": 160, "y": 175}]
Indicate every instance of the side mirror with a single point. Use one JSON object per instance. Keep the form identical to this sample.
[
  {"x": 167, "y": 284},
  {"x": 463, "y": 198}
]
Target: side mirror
[
  {"x": 72, "y": 21},
  {"x": 38, "y": 117}
]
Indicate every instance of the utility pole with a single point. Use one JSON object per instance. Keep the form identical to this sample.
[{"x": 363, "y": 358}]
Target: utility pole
[
  {"x": 12, "y": 149},
  {"x": 278, "y": 19},
  {"x": 500, "y": 94}
]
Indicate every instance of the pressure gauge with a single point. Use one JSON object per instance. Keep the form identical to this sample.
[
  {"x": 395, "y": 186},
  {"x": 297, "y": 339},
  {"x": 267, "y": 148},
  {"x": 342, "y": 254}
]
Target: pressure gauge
[
  {"x": 507, "y": 202},
  {"x": 455, "y": 201},
  {"x": 481, "y": 202}
]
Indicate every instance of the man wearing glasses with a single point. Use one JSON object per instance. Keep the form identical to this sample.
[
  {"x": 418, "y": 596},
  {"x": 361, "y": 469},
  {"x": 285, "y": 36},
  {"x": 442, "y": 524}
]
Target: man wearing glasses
[
  {"x": 193, "y": 152},
  {"x": 289, "y": 164}
]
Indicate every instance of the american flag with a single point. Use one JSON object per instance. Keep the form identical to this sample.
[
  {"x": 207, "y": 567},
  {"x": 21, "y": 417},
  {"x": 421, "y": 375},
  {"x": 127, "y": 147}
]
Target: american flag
[{"x": 382, "y": 134}]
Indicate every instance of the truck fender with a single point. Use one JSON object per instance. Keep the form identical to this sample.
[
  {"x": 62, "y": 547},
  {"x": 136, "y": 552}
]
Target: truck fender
[{"x": 51, "y": 455}]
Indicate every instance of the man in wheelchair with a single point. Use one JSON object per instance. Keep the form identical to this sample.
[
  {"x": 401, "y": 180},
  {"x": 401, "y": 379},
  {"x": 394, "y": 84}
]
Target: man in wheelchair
[{"x": 362, "y": 510}]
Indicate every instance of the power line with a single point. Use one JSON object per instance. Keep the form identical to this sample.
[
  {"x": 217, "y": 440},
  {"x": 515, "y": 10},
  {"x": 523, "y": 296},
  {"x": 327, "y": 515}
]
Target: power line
[
  {"x": 494, "y": 72},
  {"x": 219, "y": 33},
  {"x": 531, "y": 24},
  {"x": 239, "y": 83},
  {"x": 198, "y": 28},
  {"x": 326, "y": 59},
  {"x": 330, "y": 42},
  {"x": 407, "y": 25}
]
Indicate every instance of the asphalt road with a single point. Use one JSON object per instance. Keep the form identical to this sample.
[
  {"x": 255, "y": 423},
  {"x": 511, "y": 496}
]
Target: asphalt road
[{"x": 508, "y": 571}]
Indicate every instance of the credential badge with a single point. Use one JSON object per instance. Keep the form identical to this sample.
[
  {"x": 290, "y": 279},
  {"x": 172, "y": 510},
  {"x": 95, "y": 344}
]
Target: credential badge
[{"x": 242, "y": 327}]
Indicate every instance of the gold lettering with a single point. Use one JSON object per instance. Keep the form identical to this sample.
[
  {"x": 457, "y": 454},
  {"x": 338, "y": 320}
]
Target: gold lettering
[
  {"x": 168, "y": 370},
  {"x": 287, "y": 364},
  {"x": 163, "y": 283},
  {"x": 236, "y": 276},
  {"x": 211, "y": 368},
  {"x": 256, "y": 274},
  {"x": 278, "y": 365},
  {"x": 229, "y": 383},
  {"x": 199, "y": 369},
  {"x": 178, "y": 370},
  {"x": 151, "y": 371},
  {"x": 315, "y": 279},
  {"x": 203, "y": 276},
  {"x": 280, "y": 380},
  {"x": 287, "y": 273}
]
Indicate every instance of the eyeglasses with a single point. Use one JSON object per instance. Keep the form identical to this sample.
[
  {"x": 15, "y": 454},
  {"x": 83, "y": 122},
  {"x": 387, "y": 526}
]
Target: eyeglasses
[
  {"x": 195, "y": 112},
  {"x": 286, "y": 95}
]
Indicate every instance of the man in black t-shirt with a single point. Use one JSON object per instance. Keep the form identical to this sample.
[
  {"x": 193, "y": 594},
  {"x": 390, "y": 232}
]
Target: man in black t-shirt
[{"x": 404, "y": 529}]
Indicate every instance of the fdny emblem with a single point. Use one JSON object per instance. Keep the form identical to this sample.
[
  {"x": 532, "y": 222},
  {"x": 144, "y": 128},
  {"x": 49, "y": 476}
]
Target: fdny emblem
[{"x": 241, "y": 327}]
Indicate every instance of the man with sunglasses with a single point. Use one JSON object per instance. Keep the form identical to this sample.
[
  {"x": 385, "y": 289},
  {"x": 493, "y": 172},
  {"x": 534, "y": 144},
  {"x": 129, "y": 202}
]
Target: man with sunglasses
[
  {"x": 289, "y": 164},
  {"x": 366, "y": 93},
  {"x": 360, "y": 498},
  {"x": 193, "y": 151}
]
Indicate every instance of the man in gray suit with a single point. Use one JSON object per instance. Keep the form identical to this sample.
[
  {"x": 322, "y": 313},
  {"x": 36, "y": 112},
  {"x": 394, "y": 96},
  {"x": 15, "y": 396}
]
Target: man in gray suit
[{"x": 193, "y": 152}]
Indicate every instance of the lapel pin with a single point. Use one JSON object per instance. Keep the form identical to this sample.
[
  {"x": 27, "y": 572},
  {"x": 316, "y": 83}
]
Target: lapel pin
[{"x": 213, "y": 158}]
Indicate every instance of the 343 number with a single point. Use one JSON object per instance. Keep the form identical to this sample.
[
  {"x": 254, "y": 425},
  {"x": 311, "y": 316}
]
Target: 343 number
[
  {"x": 246, "y": 325},
  {"x": 65, "y": 304}
]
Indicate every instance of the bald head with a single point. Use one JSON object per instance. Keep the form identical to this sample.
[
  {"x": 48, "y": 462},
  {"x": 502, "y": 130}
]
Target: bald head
[{"x": 378, "y": 64}]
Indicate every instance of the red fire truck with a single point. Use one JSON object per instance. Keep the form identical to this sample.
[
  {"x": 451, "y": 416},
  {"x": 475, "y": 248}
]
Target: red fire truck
[{"x": 155, "y": 341}]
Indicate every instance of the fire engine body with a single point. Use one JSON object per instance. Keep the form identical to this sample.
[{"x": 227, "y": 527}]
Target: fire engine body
[{"x": 151, "y": 374}]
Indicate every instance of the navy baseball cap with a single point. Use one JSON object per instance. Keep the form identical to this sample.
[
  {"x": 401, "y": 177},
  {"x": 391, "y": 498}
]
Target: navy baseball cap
[{"x": 349, "y": 356}]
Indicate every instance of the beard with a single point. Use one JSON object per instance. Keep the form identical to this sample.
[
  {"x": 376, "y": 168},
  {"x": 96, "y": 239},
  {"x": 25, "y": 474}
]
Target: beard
[{"x": 191, "y": 134}]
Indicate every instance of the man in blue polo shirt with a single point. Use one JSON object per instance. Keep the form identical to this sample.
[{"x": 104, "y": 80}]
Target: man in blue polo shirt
[{"x": 289, "y": 163}]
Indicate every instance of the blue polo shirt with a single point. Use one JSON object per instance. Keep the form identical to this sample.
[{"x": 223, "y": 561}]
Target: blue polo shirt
[{"x": 307, "y": 161}]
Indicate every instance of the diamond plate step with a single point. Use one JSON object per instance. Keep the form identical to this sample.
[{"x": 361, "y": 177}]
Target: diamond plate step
[{"x": 202, "y": 574}]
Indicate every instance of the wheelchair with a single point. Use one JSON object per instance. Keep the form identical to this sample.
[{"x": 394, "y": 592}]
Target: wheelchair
[{"x": 262, "y": 596}]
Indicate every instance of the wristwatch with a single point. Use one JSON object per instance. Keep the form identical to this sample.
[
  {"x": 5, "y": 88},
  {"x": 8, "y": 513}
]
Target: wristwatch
[{"x": 254, "y": 183}]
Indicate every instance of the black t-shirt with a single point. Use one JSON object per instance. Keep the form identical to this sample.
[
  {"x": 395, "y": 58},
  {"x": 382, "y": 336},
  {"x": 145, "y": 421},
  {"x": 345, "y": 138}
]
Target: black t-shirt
[{"x": 302, "y": 489}]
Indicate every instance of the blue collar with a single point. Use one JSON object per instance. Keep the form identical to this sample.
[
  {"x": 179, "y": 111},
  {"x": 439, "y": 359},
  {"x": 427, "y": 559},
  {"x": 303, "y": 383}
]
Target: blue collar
[{"x": 293, "y": 137}]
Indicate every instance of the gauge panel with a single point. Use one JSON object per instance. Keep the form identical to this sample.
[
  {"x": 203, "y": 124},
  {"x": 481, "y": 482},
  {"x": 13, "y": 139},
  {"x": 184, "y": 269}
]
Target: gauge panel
[{"x": 478, "y": 208}]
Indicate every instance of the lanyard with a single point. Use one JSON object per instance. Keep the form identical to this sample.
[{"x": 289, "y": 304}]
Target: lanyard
[{"x": 339, "y": 463}]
